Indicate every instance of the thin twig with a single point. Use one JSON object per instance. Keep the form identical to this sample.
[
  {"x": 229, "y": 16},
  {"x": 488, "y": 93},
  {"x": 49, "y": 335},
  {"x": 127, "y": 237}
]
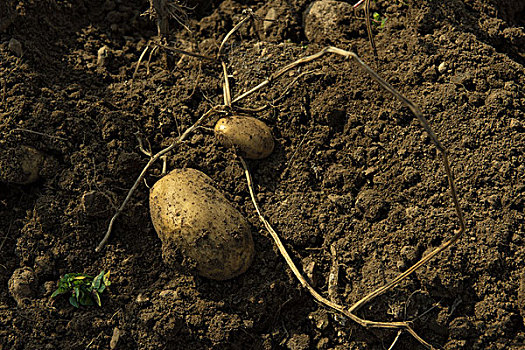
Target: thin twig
[
  {"x": 333, "y": 277},
  {"x": 38, "y": 133},
  {"x": 140, "y": 60},
  {"x": 395, "y": 340},
  {"x": 234, "y": 29},
  {"x": 452, "y": 187},
  {"x": 369, "y": 28},
  {"x": 226, "y": 86}
]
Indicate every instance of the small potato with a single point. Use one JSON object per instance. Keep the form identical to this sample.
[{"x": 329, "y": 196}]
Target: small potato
[
  {"x": 252, "y": 137},
  {"x": 191, "y": 215},
  {"x": 21, "y": 165}
]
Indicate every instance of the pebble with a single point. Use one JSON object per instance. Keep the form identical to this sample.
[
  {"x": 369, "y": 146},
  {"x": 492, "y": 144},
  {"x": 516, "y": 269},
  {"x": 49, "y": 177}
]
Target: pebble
[
  {"x": 269, "y": 19},
  {"x": 102, "y": 54},
  {"x": 515, "y": 124},
  {"x": 15, "y": 47},
  {"x": 442, "y": 68},
  {"x": 141, "y": 299},
  {"x": 114, "y": 338}
]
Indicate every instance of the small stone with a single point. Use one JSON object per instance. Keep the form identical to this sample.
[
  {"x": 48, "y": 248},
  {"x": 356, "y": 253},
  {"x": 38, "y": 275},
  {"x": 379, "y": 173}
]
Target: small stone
[
  {"x": 20, "y": 165},
  {"x": 142, "y": 299},
  {"x": 15, "y": 47},
  {"x": 409, "y": 253},
  {"x": 412, "y": 212},
  {"x": 320, "y": 319},
  {"x": 515, "y": 124},
  {"x": 168, "y": 293},
  {"x": 49, "y": 288},
  {"x": 442, "y": 68},
  {"x": 401, "y": 265},
  {"x": 345, "y": 202},
  {"x": 372, "y": 205},
  {"x": 114, "y": 338},
  {"x": 102, "y": 54},
  {"x": 95, "y": 203},
  {"x": 371, "y": 171},
  {"x": 269, "y": 19}
]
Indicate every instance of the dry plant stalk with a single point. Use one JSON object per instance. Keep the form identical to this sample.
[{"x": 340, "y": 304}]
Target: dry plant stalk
[
  {"x": 368, "y": 24},
  {"x": 452, "y": 187},
  {"x": 369, "y": 28},
  {"x": 228, "y": 102}
]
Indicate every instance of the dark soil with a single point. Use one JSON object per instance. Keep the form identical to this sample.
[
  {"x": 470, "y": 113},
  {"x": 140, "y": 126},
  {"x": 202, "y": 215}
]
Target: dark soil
[{"x": 352, "y": 169}]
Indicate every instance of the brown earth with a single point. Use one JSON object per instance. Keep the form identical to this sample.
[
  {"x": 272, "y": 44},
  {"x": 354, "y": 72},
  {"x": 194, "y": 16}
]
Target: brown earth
[{"x": 352, "y": 169}]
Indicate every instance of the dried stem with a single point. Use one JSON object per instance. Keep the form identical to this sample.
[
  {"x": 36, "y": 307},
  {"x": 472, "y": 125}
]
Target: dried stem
[
  {"x": 452, "y": 187},
  {"x": 234, "y": 29},
  {"x": 369, "y": 28},
  {"x": 226, "y": 86},
  {"x": 318, "y": 297}
]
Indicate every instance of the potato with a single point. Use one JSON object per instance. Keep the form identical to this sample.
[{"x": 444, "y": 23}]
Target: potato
[
  {"x": 21, "y": 165},
  {"x": 191, "y": 215},
  {"x": 252, "y": 137}
]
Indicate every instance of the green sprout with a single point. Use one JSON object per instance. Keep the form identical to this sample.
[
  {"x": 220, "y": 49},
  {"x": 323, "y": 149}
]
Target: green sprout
[
  {"x": 85, "y": 290},
  {"x": 378, "y": 20}
]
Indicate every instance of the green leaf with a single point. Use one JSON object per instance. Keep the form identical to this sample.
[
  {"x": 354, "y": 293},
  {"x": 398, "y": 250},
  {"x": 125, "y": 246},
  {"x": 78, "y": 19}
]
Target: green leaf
[
  {"x": 60, "y": 290},
  {"x": 76, "y": 290},
  {"x": 73, "y": 301},
  {"x": 97, "y": 280},
  {"x": 85, "y": 299},
  {"x": 101, "y": 288},
  {"x": 106, "y": 279},
  {"x": 97, "y": 298}
]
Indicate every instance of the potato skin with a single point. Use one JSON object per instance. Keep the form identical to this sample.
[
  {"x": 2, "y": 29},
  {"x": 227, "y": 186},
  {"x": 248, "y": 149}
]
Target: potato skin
[
  {"x": 190, "y": 214},
  {"x": 252, "y": 137}
]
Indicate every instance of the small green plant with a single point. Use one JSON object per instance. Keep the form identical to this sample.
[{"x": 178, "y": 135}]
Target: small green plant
[
  {"x": 378, "y": 20},
  {"x": 85, "y": 290}
]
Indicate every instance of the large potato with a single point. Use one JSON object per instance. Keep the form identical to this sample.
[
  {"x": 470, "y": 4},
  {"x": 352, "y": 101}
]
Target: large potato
[
  {"x": 252, "y": 137},
  {"x": 191, "y": 215}
]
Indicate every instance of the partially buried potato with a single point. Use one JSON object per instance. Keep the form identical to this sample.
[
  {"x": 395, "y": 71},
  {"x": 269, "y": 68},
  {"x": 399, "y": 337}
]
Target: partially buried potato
[
  {"x": 252, "y": 137},
  {"x": 191, "y": 215},
  {"x": 20, "y": 165}
]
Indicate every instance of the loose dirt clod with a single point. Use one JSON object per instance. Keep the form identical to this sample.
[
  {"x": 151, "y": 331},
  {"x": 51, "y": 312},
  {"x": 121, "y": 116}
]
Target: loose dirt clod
[
  {"x": 22, "y": 284},
  {"x": 323, "y": 20}
]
